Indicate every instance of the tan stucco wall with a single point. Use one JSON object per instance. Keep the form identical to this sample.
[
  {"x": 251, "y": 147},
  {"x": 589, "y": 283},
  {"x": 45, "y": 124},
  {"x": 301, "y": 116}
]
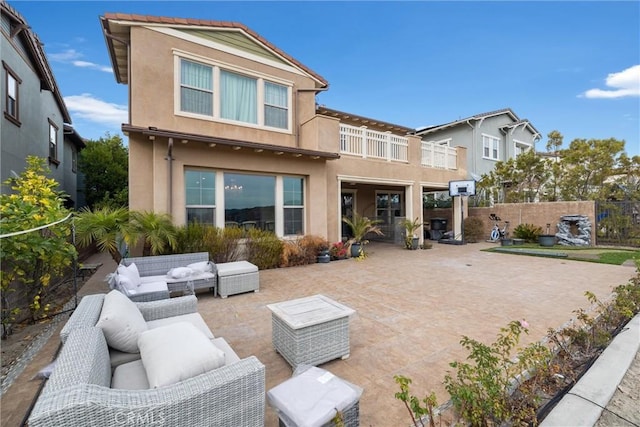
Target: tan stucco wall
[
  {"x": 152, "y": 104},
  {"x": 153, "y": 83}
]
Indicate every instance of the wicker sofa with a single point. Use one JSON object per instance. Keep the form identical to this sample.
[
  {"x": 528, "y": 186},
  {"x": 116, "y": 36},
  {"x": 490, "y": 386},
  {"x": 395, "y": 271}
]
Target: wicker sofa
[
  {"x": 155, "y": 268},
  {"x": 80, "y": 390}
]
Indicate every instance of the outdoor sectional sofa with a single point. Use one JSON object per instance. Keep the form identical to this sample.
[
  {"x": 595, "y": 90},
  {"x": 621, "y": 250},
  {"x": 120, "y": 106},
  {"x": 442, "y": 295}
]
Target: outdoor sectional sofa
[
  {"x": 225, "y": 279},
  {"x": 93, "y": 385}
]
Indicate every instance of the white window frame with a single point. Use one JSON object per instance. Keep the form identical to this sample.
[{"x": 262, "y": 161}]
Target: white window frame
[
  {"x": 442, "y": 142},
  {"x": 216, "y": 192},
  {"x": 53, "y": 142},
  {"x": 493, "y": 144},
  {"x": 217, "y": 67},
  {"x": 525, "y": 146},
  {"x": 301, "y": 207}
]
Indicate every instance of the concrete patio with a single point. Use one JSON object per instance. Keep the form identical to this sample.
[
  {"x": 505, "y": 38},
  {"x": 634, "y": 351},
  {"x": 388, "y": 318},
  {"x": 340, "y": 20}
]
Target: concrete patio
[{"x": 411, "y": 307}]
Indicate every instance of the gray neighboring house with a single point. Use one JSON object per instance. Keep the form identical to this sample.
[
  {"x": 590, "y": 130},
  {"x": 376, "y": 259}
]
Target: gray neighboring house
[
  {"x": 35, "y": 118},
  {"x": 488, "y": 137}
]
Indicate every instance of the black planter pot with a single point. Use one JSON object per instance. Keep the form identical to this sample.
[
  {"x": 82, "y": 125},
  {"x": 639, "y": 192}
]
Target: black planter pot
[
  {"x": 547, "y": 240},
  {"x": 356, "y": 249},
  {"x": 323, "y": 258}
]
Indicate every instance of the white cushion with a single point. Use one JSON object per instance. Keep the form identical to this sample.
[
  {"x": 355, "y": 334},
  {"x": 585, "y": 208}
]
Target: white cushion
[
  {"x": 179, "y": 273},
  {"x": 125, "y": 283},
  {"x": 130, "y": 376},
  {"x": 148, "y": 287},
  {"x": 121, "y": 322},
  {"x": 131, "y": 272},
  {"x": 194, "y": 318},
  {"x": 195, "y": 276},
  {"x": 177, "y": 352},
  {"x": 201, "y": 267}
]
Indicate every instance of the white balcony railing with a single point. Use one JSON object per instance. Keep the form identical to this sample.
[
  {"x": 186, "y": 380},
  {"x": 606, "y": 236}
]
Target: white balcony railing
[
  {"x": 360, "y": 141},
  {"x": 439, "y": 156}
]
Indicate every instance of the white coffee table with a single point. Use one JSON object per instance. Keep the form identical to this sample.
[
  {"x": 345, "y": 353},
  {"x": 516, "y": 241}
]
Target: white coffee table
[{"x": 311, "y": 330}]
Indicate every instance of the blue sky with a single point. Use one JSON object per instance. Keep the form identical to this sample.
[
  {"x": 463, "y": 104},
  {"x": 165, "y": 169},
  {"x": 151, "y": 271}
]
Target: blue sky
[{"x": 571, "y": 66}]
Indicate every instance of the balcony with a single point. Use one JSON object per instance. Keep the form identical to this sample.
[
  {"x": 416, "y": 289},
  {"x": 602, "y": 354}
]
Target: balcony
[
  {"x": 439, "y": 156},
  {"x": 365, "y": 143}
]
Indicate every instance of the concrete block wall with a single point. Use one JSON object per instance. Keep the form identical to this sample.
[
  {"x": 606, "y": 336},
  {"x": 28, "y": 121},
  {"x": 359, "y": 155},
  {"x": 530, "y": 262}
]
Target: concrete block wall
[{"x": 539, "y": 214}]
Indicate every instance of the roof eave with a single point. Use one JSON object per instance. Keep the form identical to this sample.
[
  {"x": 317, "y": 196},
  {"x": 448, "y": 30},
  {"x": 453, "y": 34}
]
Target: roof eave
[{"x": 206, "y": 139}]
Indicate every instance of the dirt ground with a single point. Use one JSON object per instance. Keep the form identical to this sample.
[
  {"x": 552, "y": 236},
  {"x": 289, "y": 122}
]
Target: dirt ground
[{"x": 17, "y": 343}]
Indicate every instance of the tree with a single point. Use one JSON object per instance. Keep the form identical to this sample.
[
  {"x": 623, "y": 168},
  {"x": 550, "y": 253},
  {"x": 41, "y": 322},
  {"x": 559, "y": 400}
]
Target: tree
[
  {"x": 554, "y": 141},
  {"x": 519, "y": 179},
  {"x": 586, "y": 165},
  {"x": 31, "y": 260},
  {"x": 105, "y": 165},
  {"x": 108, "y": 227},
  {"x": 554, "y": 168},
  {"x": 156, "y": 230}
]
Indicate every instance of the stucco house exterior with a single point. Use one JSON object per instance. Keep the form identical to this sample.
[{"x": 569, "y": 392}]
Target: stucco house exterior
[
  {"x": 488, "y": 138},
  {"x": 224, "y": 129},
  {"x": 35, "y": 118}
]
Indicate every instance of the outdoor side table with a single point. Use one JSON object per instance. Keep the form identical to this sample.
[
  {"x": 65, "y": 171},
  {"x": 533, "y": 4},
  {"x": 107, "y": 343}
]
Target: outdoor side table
[
  {"x": 310, "y": 330},
  {"x": 313, "y": 398}
]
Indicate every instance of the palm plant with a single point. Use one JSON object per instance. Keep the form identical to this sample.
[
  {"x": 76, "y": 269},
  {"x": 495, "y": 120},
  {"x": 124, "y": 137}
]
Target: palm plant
[
  {"x": 156, "y": 230},
  {"x": 410, "y": 227},
  {"x": 108, "y": 227},
  {"x": 360, "y": 227}
]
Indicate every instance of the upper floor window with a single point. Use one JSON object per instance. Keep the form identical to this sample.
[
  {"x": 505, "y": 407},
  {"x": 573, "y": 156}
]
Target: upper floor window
[
  {"x": 12, "y": 90},
  {"x": 53, "y": 142},
  {"x": 222, "y": 94},
  {"x": 490, "y": 146},
  {"x": 74, "y": 160},
  {"x": 520, "y": 147}
]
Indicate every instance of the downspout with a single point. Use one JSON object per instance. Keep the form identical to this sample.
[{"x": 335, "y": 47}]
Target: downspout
[{"x": 169, "y": 159}]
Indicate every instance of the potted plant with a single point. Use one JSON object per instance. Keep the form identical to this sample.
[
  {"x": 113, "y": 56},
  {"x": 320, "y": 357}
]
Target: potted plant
[
  {"x": 323, "y": 253},
  {"x": 411, "y": 239},
  {"x": 360, "y": 227},
  {"x": 547, "y": 239},
  {"x": 338, "y": 251}
]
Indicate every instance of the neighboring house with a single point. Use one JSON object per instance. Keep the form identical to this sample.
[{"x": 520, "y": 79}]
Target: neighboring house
[
  {"x": 35, "y": 119},
  {"x": 224, "y": 129},
  {"x": 488, "y": 137}
]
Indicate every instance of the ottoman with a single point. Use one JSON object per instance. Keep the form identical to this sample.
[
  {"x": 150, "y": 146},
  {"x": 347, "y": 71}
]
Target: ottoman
[
  {"x": 313, "y": 398},
  {"x": 237, "y": 277}
]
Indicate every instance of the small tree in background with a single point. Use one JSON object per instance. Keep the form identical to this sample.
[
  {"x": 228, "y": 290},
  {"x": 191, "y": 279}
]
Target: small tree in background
[
  {"x": 105, "y": 166},
  {"x": 31, "y": 260}
]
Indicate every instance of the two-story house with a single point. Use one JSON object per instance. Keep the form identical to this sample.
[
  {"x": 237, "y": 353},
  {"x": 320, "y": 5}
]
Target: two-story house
[
  {"x": 488, "y": 138},
  {"x": 224, "y": 129},
  {"x": 35, "y": 118}
]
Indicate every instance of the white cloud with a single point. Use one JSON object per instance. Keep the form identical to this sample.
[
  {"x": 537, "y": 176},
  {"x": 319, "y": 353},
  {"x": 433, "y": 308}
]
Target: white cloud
[
  {"x": 622, "y": 84},
  {"x": 92, "y": 109},
  {"x": 93, "y": 66},
  {"x": 73, "y": 57},
  {"x": 66, "y": 56}
]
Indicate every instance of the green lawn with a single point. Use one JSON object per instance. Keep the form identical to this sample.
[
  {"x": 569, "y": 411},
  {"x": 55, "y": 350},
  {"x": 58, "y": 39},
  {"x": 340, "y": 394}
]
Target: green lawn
[{"x": 589, "y": 254}]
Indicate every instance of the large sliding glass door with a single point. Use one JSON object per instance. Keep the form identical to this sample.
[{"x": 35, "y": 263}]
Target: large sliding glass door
[{"x": 389, "y": 206}]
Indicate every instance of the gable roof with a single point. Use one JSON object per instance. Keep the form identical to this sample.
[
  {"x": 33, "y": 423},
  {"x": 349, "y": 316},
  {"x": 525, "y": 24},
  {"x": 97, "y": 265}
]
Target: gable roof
[
  {"x": 33, "y": 45},
  {"x": 363, "y": 121},
  {"x": 478, "y": 117},
  {"x": 116, "y": 28}
]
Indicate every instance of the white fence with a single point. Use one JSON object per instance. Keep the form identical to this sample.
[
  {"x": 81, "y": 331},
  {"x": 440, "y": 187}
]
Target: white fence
[
  {"x": 360, "y": 141},
  {"x": 439, "y": 156}
]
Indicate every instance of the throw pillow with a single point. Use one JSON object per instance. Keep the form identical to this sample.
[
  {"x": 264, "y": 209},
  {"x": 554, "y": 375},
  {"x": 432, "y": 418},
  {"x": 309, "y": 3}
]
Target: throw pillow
[
  {"x": 125, "y": 283},
  {"x": 179, "y": 273},
  {"x": 201, "y": 267},
  {"x": 177, "y": 352},
  {"x": 131, "y": 272},
  {"x": 121, "y": 322}
]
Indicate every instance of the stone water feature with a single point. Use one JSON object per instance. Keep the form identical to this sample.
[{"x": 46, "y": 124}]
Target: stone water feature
[{"x": 581, "y": 223}]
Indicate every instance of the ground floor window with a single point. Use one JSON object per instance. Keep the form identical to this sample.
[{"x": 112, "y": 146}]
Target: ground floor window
[
  {"x": 268, "y": 202},
  {"x": 200, "y": 188},
  {"x": 293, "y": 205}
]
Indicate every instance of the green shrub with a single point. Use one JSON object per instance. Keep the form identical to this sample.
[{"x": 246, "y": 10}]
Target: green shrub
[
  {"x": 473, "y": 229},
  {"x": 528, "y": 232},
  {"x": 221, "y": 243},
  {"x": 263, "y": 248}
]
